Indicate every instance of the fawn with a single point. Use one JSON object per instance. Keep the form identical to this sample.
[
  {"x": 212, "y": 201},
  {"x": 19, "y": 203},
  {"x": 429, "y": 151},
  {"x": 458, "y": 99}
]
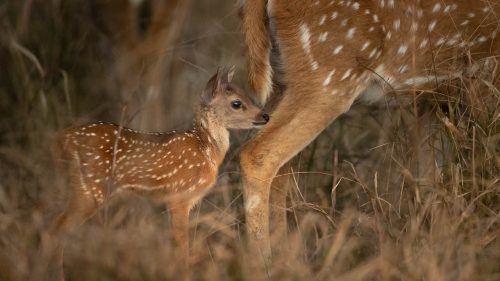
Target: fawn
[
  {"x": 177, "y": 168},
  {"x": 325, "y": 54}
]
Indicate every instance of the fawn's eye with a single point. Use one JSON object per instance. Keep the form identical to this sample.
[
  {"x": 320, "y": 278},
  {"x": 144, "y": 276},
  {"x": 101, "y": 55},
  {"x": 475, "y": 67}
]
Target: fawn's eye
[{"x": 236, "y": 104}]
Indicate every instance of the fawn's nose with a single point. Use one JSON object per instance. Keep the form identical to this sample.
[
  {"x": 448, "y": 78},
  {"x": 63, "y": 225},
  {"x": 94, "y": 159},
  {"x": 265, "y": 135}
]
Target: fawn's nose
[{"x": 265, "y": 116}]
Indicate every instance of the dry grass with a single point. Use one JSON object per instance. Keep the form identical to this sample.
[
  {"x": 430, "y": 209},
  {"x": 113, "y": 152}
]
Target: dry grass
[{"x": 357, "y": 211}]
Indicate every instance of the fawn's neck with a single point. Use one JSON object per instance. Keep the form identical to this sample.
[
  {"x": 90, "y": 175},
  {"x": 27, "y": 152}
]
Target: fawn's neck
[{"x": 213, "y": 134}]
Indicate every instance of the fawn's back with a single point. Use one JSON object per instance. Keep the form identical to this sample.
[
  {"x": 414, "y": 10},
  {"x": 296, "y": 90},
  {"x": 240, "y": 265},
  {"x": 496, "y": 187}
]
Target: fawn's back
[{"x": 170, "y": 162}]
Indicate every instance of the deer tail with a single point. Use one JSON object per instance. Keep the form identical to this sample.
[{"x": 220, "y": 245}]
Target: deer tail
[{"x": 258, "y": 42}]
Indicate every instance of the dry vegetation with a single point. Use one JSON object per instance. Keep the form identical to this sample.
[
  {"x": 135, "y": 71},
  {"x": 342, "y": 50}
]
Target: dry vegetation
[{"x": 380, "y": 222}]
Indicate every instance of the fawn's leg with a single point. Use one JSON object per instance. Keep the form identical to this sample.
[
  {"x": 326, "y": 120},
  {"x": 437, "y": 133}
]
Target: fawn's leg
[
  {"x": 302, "y": 114},
  {"x": 80, "y": 208},
  {"x": 86, "y": 197},
  {"x": 180, "y": 229}
]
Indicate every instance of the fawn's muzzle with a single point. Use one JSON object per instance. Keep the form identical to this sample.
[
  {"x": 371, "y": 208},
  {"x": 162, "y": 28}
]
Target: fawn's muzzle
[{"x": 262, "y": 119}]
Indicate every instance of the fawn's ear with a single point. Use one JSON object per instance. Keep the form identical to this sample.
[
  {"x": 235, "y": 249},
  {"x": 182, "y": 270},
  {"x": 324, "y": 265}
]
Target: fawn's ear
[{"x": 212, "y": 88}]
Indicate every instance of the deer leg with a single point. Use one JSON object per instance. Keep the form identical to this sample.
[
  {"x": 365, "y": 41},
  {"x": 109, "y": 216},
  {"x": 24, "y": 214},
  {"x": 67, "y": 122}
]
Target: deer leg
[
  {"x": 294, "y": 124},
  {"x": 277, "y": 203},
  {"x": 80, "y": 208},
  {"x": 428, "y": 144},
  {"x": 180, "y": 229},
  {"x": 82, "y": 205},
  {"x": 83, "y": 202}
]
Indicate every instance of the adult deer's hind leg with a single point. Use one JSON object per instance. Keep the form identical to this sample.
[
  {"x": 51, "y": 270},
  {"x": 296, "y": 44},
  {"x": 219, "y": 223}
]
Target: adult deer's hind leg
[
  {"x": 302, "y": 114},
  {"x": 277, "y": 202}
]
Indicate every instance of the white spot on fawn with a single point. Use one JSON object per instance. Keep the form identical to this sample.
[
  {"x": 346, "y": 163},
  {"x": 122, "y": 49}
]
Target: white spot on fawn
[
  {"x": 397, "y": 24},
  {"x": 365, "y": 45},
  {"x": 328, "y": 78},
  {"x": 402, "y": 50},
  {"x": 338, "y": 49},
  {"x": 436, "y": 8},
  {"x": 350, "y": 33},
  {"x": 424, "y": 43},
  {"x": 346, "y": 74},
  {"x": 322, "y": 36},
  {"x": 322, "y": 20},
  {"x": 432, "y": 25}
]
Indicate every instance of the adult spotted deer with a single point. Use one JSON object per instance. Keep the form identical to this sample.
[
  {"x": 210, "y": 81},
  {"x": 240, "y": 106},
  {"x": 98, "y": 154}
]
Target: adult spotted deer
[
  {"x": 176, "y": 168},
  {"x": 328, "y": 53}
]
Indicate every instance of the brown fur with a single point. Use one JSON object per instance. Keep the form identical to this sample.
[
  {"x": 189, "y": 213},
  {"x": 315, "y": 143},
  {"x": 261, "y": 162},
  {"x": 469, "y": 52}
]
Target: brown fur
[{"x": 331, "y": 52}]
